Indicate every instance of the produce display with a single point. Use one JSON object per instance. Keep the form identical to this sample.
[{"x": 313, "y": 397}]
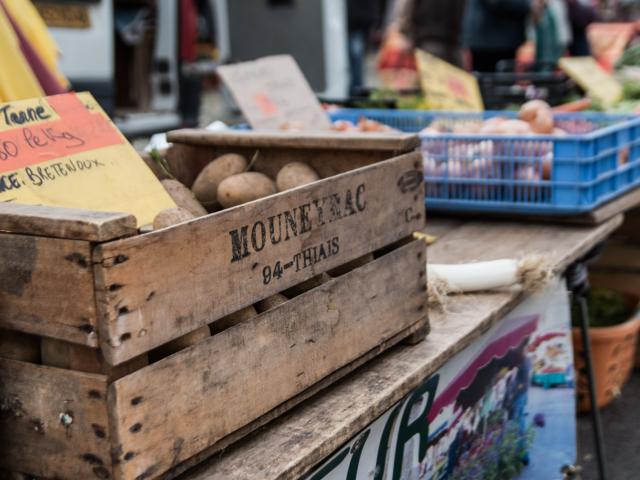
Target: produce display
[
  {"x": 519, "y": 159},
  {"x": 227, "y": 181},
  {"x": 205, "y": 188},
  {"x": 363, "y": 125}
]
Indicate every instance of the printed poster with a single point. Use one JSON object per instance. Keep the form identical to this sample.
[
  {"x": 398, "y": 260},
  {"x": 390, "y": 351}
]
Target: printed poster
[{"x": 502, "y": 408}]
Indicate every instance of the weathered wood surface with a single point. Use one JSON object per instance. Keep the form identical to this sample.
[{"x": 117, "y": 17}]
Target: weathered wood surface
[
  {"x": 295, "y": 443},
  {"x": 156, "y": 287},
  {"x": 70, "y": 356},
  {"x": 65, "y": 222},
  {"x": 46, "y": 287},
  {"x": 310, "y": 392},
  {"x": 53, "y": 422},
  {"x": 186, "y": 161},
  {"x": 246, "y": 371},
  {"x": 390, "y": 142}
]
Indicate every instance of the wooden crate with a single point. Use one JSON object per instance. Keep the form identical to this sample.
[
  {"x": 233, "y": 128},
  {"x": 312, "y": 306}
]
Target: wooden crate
[{"x": 86, "y": 284}]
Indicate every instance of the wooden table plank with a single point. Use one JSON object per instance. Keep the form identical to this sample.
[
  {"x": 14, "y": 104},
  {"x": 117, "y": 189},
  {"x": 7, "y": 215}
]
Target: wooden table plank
[
  {"x": 59, "y": 222},
  {"x": 292, "y": 445}
]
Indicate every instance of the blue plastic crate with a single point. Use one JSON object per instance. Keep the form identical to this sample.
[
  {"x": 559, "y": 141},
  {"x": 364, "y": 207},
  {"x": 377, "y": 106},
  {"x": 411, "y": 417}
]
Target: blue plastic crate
[{"x": 547, "y": 175}]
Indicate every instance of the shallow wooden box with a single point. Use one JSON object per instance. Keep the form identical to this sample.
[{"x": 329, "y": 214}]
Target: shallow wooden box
[{"x": 89, "y": 283}]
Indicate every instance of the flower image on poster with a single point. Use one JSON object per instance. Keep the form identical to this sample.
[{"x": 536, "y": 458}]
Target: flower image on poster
[{"x": 502, "y": 408}]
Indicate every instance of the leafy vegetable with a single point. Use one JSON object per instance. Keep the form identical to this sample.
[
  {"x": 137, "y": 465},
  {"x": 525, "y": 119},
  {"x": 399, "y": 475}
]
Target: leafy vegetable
[{"x": 606, "y": 308}]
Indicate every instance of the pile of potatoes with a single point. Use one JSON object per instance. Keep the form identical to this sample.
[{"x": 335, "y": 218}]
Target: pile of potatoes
[{"x": 228, "y": 182}]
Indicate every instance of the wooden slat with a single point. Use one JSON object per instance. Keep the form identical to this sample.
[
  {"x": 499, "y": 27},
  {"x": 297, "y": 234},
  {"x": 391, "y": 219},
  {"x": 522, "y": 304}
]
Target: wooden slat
[
  {"x": 186, "y": 161},
  {"x": 65, "y": 222},
  {"x": 61, "y": 354},
  {"x": 326, "y": 422},
  {"x": 160, "y": 286},
  {"x": 311, "y": 392},
  {"x": 46, "y": 288},
  {"x": 53, "y": 422},
  {"x": 485, "y": 240},
  {"x": 235, "y": 377},
  {"x": 392, "y": 142}
]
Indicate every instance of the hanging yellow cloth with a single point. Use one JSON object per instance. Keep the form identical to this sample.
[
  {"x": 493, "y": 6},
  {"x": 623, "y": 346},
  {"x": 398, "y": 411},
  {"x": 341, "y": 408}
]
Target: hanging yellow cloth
[
  {"x": 17, "y": 80},
  {"x": 35, "y": 30}
]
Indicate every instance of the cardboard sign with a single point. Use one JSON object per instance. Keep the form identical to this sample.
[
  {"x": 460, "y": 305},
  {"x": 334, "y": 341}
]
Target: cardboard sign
[
  {"x": 64, "y": 151},
  {"x": 446, "y": 87},
  {"x": 592, "y": 78},
  {"x": 609, "y": 40},
  {"x": 272, "y": 93}
]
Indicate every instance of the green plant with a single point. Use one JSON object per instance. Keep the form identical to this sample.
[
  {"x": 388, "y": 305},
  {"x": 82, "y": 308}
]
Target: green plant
[
  {"x": 503, "y": 453},
  {"x": 606, "y": 308},
  {"x": 161, "y": 162}
]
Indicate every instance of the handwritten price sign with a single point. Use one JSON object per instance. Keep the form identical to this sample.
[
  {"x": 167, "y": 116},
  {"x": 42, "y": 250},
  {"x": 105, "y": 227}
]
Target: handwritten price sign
[
  {"x": 64, "y": 151},
  {"x": 272, "y": 92},
  {"x": 591, "y": 77},
  {"x": 446, "y": 87}
]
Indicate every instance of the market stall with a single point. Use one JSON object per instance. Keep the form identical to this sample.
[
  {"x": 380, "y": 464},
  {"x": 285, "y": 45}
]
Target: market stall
[
  {"x": 334, "y": 434},
  {"x": 270, "y": 300}
]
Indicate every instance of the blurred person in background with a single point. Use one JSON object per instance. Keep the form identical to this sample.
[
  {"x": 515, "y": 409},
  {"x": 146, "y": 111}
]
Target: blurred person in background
[
  {"x": 434, "y": 26},
  {"x": 364, "y": 17},
  {"x": 581, "y": 15},
  {"x": 495, "y": 29},
  {"x": 553, "y": 33}
]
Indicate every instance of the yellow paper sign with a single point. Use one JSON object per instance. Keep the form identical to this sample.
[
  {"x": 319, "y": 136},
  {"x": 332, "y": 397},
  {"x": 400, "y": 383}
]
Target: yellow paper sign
[
  {"x": 591, "y": 77},
  {"x": 446, "y": 87},
  {"x": 64, "y": 151}
]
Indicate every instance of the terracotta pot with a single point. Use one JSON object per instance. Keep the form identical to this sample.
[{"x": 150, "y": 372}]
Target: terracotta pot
[{"x": 614, "y": 351}]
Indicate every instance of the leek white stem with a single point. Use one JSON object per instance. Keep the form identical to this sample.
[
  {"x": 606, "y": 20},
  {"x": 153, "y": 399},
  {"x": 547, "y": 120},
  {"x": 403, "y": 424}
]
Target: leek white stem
[{"x": 473, "y": 277}]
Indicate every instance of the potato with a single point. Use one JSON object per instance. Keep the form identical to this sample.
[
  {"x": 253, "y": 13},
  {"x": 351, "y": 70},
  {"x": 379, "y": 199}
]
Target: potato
[
  {"x": 270, "y": 302},
  {"x": 232, "y": 319},
  {"x": 206, "y": 185},
  {"x": 171, "y": 216},
  {"x": 243, "y": 188},
  {"x": 178, "y": 344},
  {"x": 295, "y": 174},
  {"x": 183, "y": 197}
]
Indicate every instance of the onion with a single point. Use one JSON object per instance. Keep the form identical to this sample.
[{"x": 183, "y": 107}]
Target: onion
[
  {"x": 492, "y": 125},
  {"x": 514, "y": 127},
  {"x": 529, "y": 111},
  {"x": 543, "y": 122}
]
